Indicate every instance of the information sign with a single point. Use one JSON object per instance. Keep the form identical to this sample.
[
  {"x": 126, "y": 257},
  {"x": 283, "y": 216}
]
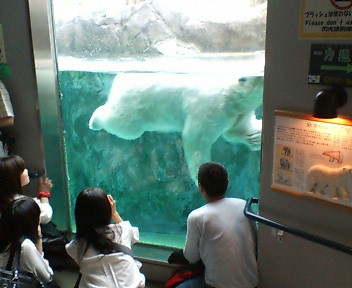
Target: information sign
[
  {"x": 330, "y": 64},
  {"x": 313, "y": 157},
  {"x": 326, "y": 19}
]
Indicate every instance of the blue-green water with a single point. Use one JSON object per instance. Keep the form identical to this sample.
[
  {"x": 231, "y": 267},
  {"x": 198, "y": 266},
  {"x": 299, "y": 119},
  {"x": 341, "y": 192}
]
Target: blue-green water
[{"x": 148, "y": 176}]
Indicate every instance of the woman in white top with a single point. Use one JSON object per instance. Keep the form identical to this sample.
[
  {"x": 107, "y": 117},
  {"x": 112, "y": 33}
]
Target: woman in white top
[
  {"x": 19, "y": 224},
  {"x": 94, "y": 248},
  {"x": 13, "y": 176}
]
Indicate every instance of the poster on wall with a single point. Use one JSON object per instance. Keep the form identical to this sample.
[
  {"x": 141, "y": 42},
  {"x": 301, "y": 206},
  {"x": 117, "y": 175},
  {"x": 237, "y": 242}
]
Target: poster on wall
[
  {"x": 326, "y": 19},
  {"x": 313, "y": 157}
]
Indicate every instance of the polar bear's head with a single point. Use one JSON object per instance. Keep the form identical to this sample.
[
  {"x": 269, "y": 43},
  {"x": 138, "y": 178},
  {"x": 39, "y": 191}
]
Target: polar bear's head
[{"x": 246, "y": 95}]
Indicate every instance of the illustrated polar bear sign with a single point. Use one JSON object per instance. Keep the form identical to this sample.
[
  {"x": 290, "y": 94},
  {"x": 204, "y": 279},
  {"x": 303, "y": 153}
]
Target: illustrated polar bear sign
[
  {"x": 202, "y": 108},
  {"x": 331, "y": 182}
]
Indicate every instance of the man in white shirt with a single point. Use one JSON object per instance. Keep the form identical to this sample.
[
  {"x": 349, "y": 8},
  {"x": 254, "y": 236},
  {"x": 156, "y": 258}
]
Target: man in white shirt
[{"x": 220, "y": 235}]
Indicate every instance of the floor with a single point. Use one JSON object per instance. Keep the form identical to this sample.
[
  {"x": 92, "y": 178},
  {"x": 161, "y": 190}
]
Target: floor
[{"x": 67, "y": 279}]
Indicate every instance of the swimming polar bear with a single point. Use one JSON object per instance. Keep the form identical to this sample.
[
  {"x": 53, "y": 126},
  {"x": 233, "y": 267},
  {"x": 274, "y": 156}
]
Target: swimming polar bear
[
  {"x": 330, "y": 181},
  {"x": 202, "y": 108}
]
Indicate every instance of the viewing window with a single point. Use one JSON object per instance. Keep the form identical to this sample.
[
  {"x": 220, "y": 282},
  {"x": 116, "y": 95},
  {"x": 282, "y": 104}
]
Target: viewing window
[{"x": 149, "y": 90}]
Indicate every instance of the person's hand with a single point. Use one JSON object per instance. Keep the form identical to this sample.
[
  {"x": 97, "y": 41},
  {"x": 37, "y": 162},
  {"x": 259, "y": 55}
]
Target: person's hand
[
  {"x": 112, "y": 204},
  {"x": 44, "y": 188},
  {"x": 39, "y": 244},
  {"x": 45, "y": 184},
  {"x": 39, "y": 231},
  {"x": 114, "y": 214}
]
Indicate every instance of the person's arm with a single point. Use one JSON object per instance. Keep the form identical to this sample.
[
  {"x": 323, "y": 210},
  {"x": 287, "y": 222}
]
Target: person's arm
[
  {"x": 39, "y": 243},
  {"x": 6, "y": 121},
  {"x": 191, "y": 250},
  {"x": 44, "y": 189},
  {"x": 115, "y": 216},
  {"x": 44, "y": 193},
  {"x": 32, "y": 261}
]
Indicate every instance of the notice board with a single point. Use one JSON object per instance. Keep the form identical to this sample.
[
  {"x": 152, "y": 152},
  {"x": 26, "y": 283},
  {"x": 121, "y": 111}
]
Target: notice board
[
  {"x": 313, "y": 157},
  {"x": 326, "y": 19}
]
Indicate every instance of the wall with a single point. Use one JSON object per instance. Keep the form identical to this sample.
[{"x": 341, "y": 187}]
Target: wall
[
  {"x": 22, "y": 85},
  {"x": 296, "y": 262},
  {"x": 33, "y": 138}
]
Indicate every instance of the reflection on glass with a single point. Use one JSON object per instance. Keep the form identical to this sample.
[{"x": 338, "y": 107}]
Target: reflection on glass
[{"x": 151, "y": 89}]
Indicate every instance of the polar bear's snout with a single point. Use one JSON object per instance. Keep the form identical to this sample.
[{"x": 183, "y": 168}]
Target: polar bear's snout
[
  {"x": 246, "y": 78},
  {"x": 251, "y": 81}
]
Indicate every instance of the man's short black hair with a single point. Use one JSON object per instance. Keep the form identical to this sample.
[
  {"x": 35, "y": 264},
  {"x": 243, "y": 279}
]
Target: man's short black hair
[{"x": 213, "y": 178}]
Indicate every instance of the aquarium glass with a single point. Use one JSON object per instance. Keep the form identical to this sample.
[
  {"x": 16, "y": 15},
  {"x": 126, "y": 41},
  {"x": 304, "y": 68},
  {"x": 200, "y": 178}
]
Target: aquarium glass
[{"x": 176, "y": 102}]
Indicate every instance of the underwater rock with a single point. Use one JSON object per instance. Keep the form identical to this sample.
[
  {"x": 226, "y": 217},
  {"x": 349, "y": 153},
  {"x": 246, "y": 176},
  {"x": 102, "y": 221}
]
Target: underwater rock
[{"x": 202, "y": 108}]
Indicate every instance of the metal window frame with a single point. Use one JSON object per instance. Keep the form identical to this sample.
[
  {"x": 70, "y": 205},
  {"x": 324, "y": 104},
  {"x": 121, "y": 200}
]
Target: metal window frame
[{"x": 41, "y": 22}]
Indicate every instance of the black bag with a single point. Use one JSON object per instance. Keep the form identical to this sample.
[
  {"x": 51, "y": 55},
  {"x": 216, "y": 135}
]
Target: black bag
[
  {"x": 185, "y": 272},
  {"x": 15, "y": 278},
  {"x": 54, "y": 242}
]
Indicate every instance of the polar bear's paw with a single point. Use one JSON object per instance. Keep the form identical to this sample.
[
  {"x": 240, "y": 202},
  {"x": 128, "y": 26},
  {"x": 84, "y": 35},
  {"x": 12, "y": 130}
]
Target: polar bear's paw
[{"x": 254, "y": 140}]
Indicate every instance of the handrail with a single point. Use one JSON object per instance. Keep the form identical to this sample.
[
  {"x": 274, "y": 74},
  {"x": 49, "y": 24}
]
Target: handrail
[{"x": 294, "y": 231}]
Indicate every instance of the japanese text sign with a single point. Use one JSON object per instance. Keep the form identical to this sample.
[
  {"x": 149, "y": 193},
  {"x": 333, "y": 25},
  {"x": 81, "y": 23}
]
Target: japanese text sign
[{"x": 326, "y": 19}]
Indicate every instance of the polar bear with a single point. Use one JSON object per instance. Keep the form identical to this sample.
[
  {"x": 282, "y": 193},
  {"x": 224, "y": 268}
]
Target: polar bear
[
  {"x": 202, "y": 108},
  {"x": 330, "y": 181}
]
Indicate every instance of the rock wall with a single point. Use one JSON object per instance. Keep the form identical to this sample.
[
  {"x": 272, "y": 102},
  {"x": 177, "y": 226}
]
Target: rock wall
[{"x": 151, "y": 28}]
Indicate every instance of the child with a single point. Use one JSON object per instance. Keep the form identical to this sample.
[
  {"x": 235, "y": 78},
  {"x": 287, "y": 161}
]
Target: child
[{"x": 95, "y": 250}]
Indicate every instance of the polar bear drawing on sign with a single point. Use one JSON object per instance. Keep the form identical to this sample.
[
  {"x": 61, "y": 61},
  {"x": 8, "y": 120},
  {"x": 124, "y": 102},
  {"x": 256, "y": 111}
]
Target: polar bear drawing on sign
[
  {"x": 202, "y": 108},
  {"x": 330, "y": 181}
]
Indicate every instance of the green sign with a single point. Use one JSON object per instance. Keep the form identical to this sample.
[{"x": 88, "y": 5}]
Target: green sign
[{"x": 330, "y": 64}]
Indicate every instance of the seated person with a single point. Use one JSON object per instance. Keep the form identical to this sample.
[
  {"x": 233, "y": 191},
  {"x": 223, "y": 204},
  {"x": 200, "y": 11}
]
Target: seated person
[
  {"x": 19, "y": 225},
  {"x": 97, "y": 245},
  {"x": 219, "y": 235},
  {"x": 13, "y": 176}
]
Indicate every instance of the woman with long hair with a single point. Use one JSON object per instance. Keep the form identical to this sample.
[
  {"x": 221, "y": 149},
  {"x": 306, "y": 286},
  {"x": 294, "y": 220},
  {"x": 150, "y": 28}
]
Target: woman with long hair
[
  {"x": 95, "y": 247},
  {"x": 13, "y": 176},
  {"x": 19, "y": 226}
]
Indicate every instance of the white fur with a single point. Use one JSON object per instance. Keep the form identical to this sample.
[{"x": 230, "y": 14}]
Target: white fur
[
  {"x": 201, "y": 108},
  {"x": 330, "y": 181}
]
